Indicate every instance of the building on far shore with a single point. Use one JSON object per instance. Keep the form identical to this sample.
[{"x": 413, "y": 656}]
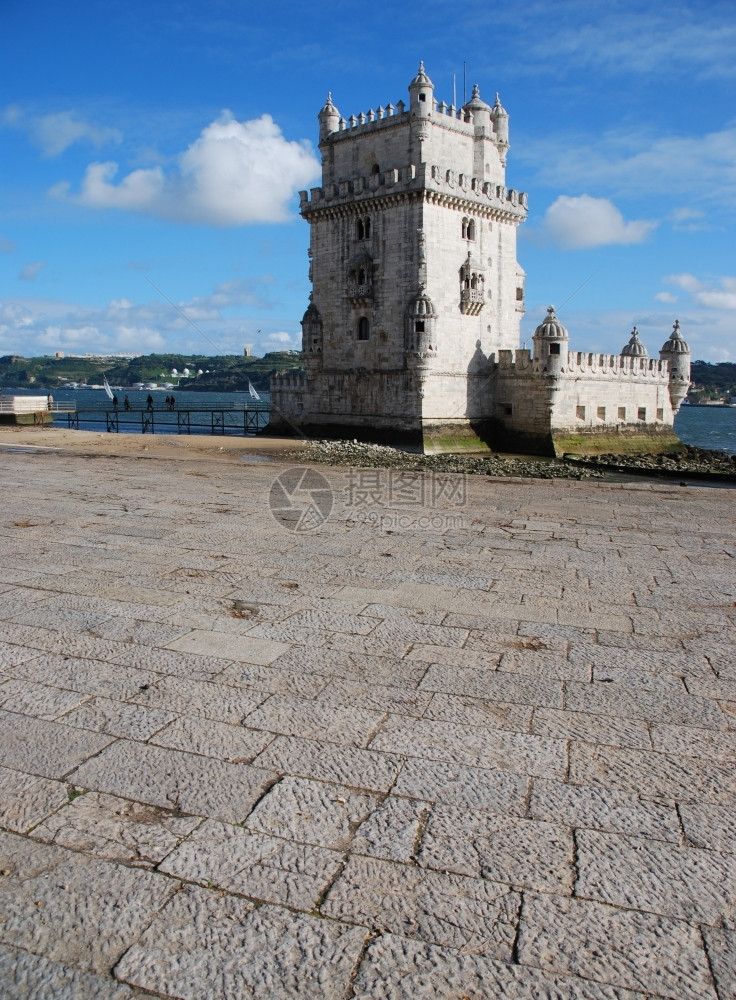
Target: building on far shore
[{"x": 412, "y": 330}]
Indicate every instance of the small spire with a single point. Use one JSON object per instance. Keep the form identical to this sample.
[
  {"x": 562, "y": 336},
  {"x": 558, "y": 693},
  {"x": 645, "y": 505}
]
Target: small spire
[
  {"x": 421, "y": 65},
  {"x": 476, "y": 92},
  {"x": 550, "y": 310}
]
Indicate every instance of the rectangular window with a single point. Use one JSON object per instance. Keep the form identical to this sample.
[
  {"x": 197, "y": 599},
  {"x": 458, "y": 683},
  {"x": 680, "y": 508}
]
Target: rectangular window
[
  {"x": 601, "y": 413},
  {"x": 580, "y": 412},
  {"x": 419, "y": 326},
  {"x": 508, "y": 410},
  {"x": 554, "y": 348},
  {"x": 660, "y": 414},
  {"x": 622, "y": 413},
  {"x": 642, "y": 413},
  {"x": 519, "y": 294}
]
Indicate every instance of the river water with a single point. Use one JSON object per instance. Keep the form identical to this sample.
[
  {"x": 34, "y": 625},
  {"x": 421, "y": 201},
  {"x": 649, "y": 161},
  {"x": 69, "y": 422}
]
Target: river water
[{"x": 712, "y": 427}]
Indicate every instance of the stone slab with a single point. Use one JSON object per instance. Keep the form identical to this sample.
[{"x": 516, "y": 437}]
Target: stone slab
[
  {"x": 344, "y": 765},
  {"x": 25, "y": 976},
  {"x": 26, "y": 799},
  {"x": 241, "y": 648},
  {"x": 206, "y": 946},
  {"x": 45, "y": 748}
]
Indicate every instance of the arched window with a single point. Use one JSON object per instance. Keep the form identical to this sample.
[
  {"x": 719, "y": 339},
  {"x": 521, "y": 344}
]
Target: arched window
[
  {"x": 360, "y": 229},
  {"x": 363, "y": 328},
  {"x": 465, "y": 229},
  {"x": 363, "y": 228},
  {"x": 367, "y": 227},
  {"x": 471, "y": 229}
]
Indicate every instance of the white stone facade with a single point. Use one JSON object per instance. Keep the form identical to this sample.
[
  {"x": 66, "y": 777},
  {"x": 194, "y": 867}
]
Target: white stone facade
[{"x": 417, "y": 294}]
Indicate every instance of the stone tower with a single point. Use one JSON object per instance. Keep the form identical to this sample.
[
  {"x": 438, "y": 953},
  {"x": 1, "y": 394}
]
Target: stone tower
[{"x": 415, "y": 281}]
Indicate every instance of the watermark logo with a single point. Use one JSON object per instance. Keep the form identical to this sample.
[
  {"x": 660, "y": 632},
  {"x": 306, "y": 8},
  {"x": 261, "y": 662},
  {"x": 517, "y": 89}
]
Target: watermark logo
[{"x": 301, "y": 499}]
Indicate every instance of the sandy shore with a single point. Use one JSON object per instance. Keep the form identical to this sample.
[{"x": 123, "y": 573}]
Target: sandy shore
[{"x": 165, "y": 446}]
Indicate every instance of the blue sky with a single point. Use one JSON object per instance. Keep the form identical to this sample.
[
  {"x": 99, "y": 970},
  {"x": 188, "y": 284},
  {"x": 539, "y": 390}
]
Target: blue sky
[{"x": 163, "y": 144}]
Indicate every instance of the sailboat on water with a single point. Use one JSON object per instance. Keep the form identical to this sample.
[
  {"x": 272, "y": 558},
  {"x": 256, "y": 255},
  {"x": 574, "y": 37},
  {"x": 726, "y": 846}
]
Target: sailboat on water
[
  {"x": 252, "y": 391},
  {"x": 106, "y": 387}
]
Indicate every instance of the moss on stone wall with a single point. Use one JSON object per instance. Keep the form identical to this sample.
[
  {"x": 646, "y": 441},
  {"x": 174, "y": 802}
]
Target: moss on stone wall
[{"x": 649, "y": 440}]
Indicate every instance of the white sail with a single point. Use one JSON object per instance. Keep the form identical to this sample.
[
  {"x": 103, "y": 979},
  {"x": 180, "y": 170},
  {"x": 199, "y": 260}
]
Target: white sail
[
  {"x": 106, "y": 387},
  {"x": 252, "y": 391}
]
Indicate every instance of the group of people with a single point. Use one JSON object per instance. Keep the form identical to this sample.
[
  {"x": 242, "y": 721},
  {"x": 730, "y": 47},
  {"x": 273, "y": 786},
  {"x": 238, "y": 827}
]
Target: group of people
[
  {"x": 170, "y": 403},
  {"x": 126, "y": 403}
]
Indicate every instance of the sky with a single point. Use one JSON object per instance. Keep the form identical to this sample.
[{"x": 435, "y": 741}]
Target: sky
[{"x": 151, "y": 156}]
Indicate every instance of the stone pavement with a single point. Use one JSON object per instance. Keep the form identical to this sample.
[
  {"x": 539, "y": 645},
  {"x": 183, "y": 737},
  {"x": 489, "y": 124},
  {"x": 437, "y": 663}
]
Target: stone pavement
[{"x": 479, "y": 746}]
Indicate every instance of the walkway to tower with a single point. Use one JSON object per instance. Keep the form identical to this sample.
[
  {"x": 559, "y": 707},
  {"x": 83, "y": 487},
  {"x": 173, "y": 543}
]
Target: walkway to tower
[{"x": 467, "y": 741}]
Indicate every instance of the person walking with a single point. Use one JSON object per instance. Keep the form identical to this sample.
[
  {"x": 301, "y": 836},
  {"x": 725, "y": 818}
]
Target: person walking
[{"x": 149, "y": 402}]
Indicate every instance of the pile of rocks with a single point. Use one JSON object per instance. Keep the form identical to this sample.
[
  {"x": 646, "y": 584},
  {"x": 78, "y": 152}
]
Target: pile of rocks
[
  {"x": 693, "y": 462},
  {"x": 361, "y": 455}
]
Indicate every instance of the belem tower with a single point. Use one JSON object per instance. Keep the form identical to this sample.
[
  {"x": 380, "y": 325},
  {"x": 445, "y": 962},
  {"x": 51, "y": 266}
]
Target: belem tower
[{"x": 412, "y": 330}]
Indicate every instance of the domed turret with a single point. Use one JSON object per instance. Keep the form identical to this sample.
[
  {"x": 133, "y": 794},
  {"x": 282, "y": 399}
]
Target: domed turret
[
  {"x": 329, "y": 119},
  {"x": 675, "y": 350},
  {"x": 479, "y": 111},
  {"x": 500, "y": 119},
  {"x": 550, "y": 344},
  {"x": 634, "y": 348},
  {"x": 421, "y": 93}
]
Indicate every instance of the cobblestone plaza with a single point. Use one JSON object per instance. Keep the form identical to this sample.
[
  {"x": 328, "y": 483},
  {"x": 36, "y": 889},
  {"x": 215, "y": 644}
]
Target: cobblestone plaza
[{"x": 483, "y": 749}]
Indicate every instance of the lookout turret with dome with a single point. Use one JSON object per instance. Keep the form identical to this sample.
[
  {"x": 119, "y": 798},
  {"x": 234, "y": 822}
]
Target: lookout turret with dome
[{"x": 413, "y": 325}]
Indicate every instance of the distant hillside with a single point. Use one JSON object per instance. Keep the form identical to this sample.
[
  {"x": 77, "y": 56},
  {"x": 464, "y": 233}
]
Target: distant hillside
[
  {"x": 713, "y": 380},
  {"x": 227, "y": 373}
]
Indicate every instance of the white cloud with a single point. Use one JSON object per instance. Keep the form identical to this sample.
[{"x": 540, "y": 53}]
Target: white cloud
[
  {"x": 32, "y": 270},
  {"x": 233, "y": 174},
  {"x": 719, "y": 294},
  {"x": 665, "y": 297},
  {"x": 634, "y": 164},
  {"x": 55, "y": 132},
  {"x": 584, "y": 221}
]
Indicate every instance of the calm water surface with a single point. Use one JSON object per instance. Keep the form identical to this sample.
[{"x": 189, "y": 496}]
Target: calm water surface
[{"x": 712, "y": 427}]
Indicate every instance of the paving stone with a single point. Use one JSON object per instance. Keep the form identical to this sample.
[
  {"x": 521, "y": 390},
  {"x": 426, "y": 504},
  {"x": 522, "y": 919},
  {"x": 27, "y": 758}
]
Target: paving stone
[
  {"x": 479, "y": 712},
  {"x": 292, "y": 716},
  {"x": 255, "y": 864},
  {"x": 598, "y": 808},
  {"x": 638, "y": 951},
  {"x": 25, "y": 799},
  {"x": 241, "y": 648},
  {"x": 11, "y": 656},
  {"x": 721, "y": 947},
  {"x": 205, "y": 699},
  {"x": 312, "y": 812},
  {"x": 273, "y": 679},
  {"x": 397, "y": 968},
  {"x": 493, "y": 685},
  {"x": 85, "y": 913},
  {"x": 117, "y": 718},
  {"x": 481, "y": 659},
  {"x": 171, "y": 779},
  {"x": 344, "y": 765},
  {"x": 203, "y": 945},
  {"x": 446, "y": 910},
  {"x": 213, "y": 739},
  {"x": 543, "y": 665},
  {"x": 37, "y": 700},
  {"x": 389, "y": 670},
  {"x": 31, "y": 977},
  {"x": 679, "y": 882},
  {"x": 169, "y": 661},
  {"x": 87, "y": 676},
  {"x": 687, "y": 779},
  {"x": 113, "y": 828},
  {"x": 145, "y": 633},
  {"x": 526, "y": 853},
  {"x": 473, "y": 746},
  {"x": 392, "y": 831},
  {"x": 588, "y": 728},
  {"x": 375, "y": 697},
  {"x": 710, "y": 826},
  {"x": 682, "y": 709},
  {"x": 694, "y": 742},
  {"x": 45, "y": 748},
  {"x": 468, "y": 788}
]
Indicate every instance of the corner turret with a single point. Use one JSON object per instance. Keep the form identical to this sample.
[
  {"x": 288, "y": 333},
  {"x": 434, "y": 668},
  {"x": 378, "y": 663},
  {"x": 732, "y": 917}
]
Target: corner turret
[
  {"x": 329, "y": 119},
  {"x": 677, "y": 353},
  {"x": 479, "y": 111},
  {"x": 421, "y": 94},
  {"x": 500, "y": 119},
  {"x": 550, "y": 344}
]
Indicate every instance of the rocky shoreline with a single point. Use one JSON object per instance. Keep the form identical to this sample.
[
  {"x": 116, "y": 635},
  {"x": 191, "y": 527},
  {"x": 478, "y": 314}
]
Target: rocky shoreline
[{"x": 691, "y": 462}]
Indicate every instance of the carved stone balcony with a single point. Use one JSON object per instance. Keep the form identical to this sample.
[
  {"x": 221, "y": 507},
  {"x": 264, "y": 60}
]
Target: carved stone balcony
[
  {"x": 471, "y": 301},
  {"x": 360, "y": 294}
]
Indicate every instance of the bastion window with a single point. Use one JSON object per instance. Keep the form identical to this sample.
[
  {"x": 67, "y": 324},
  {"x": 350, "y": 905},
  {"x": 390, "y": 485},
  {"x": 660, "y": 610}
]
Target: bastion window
[
  {"x": 622, "y": 413},
  {"x": 363, "y": 328},
  {"x": 642, "y": 414},
  {"x": 660, "y": 414},
  {"x": 580, "y": 412},
  {"x": 554, "y": 348},
  {"x": 601, "y": 413}
]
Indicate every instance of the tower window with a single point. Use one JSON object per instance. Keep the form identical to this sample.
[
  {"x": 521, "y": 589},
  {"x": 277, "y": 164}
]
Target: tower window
[
  {"x": 471, "y": 229},
  {"x": 422, "y": 97},
  {"x": 363, "y": 228},
  {"x": 554, "y": 348},
  {"x": 519, "y": 294},
  {"x": 363, "y": 328},
  {"x": 419, "y": 326}
]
